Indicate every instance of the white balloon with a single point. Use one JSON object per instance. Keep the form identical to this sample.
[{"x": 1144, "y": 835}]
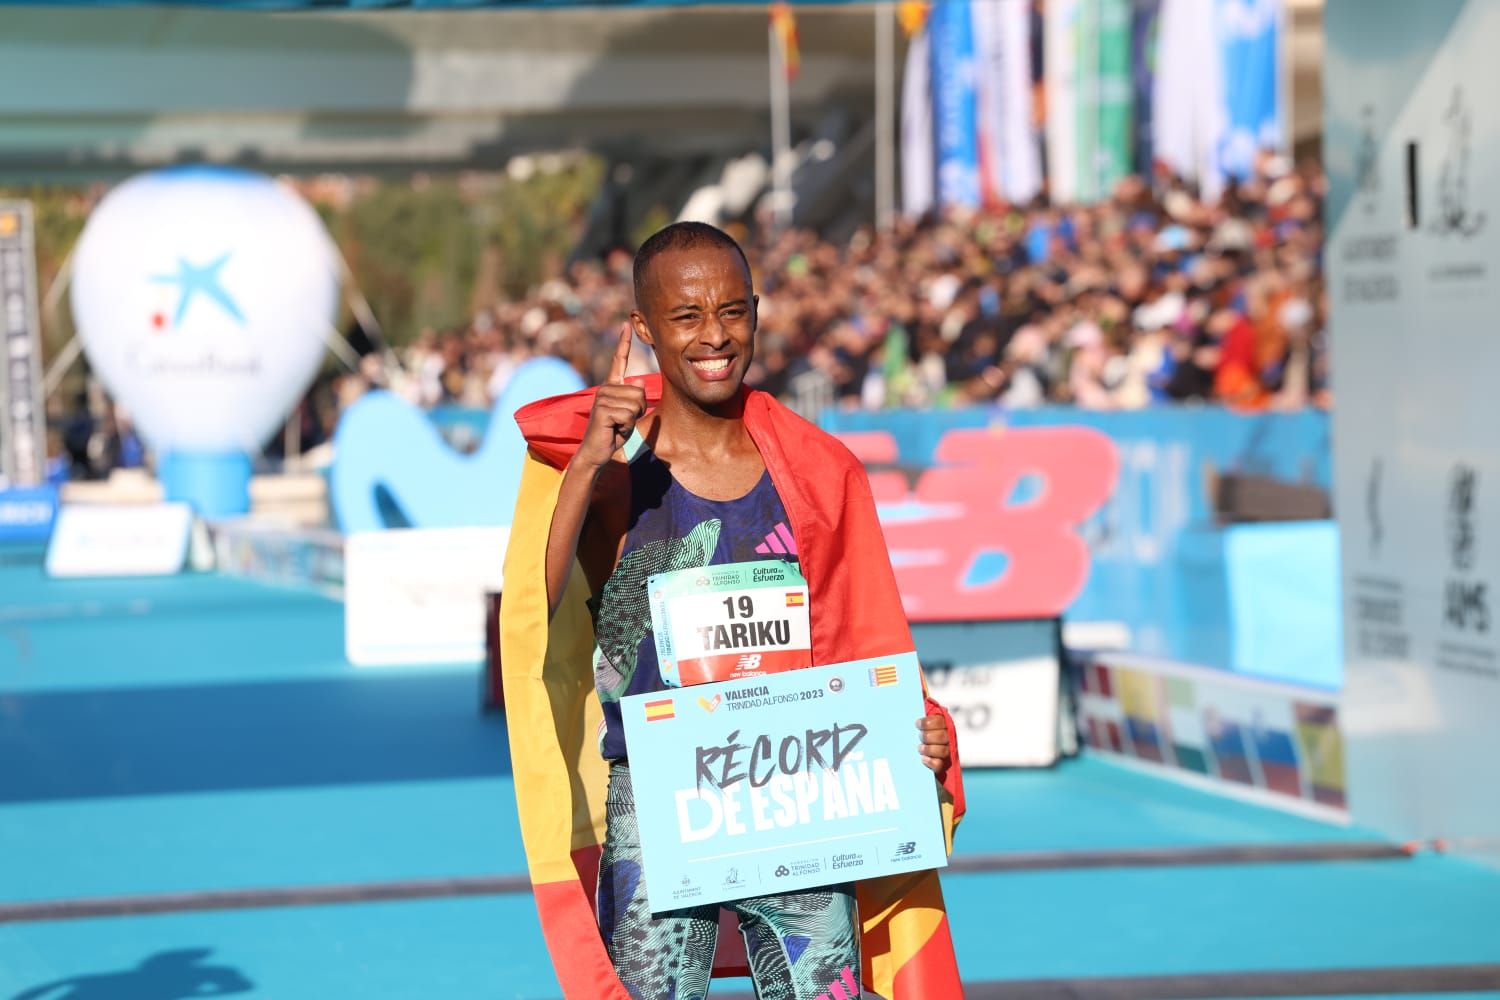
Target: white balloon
[{"x": 203, "y": 297}]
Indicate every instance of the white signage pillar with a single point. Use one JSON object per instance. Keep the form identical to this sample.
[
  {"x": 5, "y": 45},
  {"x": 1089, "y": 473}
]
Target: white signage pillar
[{"x": 1412, "y": 146}]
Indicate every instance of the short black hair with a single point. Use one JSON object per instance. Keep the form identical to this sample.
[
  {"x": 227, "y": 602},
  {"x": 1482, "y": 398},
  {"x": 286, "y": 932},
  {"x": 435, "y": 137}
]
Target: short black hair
[{"x": 680, "y": 236}]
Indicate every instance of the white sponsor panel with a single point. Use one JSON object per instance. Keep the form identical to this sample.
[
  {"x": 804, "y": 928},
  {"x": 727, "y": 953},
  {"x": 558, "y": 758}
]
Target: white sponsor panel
[
  {"x": 1000, "y": 681},
  {"x": 1280, "y": 745},
  {"x": 415, "y": 596},
  {"x": 126, "y": 540},
  {"x": 1414, "y": 287},
  {"x": 280, "y": 554}
]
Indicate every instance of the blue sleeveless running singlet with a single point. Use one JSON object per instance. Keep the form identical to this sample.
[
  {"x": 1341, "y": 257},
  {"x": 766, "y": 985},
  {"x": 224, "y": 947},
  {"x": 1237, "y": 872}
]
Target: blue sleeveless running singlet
[{"x": 670, "y": 529}]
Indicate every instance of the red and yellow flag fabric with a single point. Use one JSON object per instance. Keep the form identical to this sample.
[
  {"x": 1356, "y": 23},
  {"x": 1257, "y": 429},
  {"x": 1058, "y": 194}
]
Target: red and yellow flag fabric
[
  {"x": 784, "y": 24},
  {"x": 553, "y": 713}
]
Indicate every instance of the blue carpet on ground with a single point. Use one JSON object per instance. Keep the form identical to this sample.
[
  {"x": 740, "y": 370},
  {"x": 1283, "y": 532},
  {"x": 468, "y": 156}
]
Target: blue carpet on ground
[{"x": 201, "y": 733}]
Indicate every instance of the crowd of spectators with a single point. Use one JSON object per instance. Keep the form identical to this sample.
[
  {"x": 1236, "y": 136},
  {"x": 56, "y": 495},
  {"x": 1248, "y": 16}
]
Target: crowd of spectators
[{"x": 1150, "y": 297}]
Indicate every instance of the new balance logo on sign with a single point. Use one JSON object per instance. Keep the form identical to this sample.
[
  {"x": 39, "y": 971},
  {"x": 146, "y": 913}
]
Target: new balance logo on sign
[
  {"x": 906, "y": 849},
  {"x": 750, "y": 661},
  {"x": 843, "y": 988}
]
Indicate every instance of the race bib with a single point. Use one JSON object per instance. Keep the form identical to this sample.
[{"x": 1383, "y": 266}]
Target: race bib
[{"x": 725, "y": 622}]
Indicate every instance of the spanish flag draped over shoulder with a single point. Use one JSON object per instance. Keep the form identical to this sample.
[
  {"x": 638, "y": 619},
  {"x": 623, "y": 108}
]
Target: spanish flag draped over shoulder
[{"x": 553, "y": 713}]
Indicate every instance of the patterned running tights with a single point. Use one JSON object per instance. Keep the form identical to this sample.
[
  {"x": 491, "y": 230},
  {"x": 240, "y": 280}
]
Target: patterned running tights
[{"x": 801, "y": 945}]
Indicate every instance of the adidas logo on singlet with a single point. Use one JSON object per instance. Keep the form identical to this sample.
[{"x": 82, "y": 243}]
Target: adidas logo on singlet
[{"x": 779, "y": 542}]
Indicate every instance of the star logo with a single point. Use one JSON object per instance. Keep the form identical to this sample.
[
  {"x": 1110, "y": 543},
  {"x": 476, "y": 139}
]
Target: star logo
[{"x": 193, "y": 280}]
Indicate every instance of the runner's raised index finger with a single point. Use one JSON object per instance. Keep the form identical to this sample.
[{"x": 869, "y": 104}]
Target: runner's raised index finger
[{"x": 622, "y": 356}]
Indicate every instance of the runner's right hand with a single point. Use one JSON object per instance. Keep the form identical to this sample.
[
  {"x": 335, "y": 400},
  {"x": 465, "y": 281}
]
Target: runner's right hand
[{"x": 617, "y": 407}]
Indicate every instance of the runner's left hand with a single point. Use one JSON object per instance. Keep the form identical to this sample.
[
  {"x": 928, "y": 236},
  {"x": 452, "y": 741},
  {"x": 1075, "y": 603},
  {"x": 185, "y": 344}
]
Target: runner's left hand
[{"x": 934, "y": 745}]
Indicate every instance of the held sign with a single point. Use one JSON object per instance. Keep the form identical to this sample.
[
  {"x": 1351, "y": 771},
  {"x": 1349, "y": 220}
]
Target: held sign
[
  {"x": 726, "y": 622},
  {"x": 418, "y": 595},
  {"x": 784, "y": 782}
]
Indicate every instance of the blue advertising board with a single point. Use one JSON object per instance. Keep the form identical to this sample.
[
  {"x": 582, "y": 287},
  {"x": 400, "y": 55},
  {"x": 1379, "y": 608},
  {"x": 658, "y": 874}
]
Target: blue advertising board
[
  {"x": 1158, "y": 558},
  {"x": 782, "y": 782},
  {"x": 27, "y": 513}
]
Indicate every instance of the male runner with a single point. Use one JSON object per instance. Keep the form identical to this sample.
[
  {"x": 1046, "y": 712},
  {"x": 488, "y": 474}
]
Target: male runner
[{"x": 684, "y": 486}]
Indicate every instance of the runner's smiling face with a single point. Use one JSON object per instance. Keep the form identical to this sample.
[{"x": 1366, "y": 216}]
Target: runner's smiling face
[{"x": 699, "y": 316}]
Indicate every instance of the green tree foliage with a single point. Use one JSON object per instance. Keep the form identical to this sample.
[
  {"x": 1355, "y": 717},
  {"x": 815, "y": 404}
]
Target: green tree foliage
[
  {"x": 536, "y": 222},
  {"x": 414, "y": 247}
]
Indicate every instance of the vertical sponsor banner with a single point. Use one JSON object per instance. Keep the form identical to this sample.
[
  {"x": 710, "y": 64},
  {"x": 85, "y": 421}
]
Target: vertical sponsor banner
[
  {"x": 918, "y": 171},
  {"x": 1143, "y": 16},
  {"x": 1187, "y": 114},
  {"x": 23, "y": 442},
  {"x": 1085, "y": 47},
  {"x": 1009, "y": 160},
  {"x": 1249, "y": 36},
  {"x": 1061, "y": 67},
  {"x": 1023, "y": 161},
  {"x": 955, "y": 103},
  {"x": 989, "y": 88},
  {"x": 1414, "y": 289},
  {"x": 1112, "y": 96}
]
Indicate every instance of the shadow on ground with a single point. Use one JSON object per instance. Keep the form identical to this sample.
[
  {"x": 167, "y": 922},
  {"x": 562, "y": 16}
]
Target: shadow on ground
[{"x": 167, "y": 975}]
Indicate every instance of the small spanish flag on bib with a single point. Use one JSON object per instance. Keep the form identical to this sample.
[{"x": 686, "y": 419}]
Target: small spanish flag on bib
[
  {"x": 661, "y": 709},
  {"x": 796, "y": 600}
]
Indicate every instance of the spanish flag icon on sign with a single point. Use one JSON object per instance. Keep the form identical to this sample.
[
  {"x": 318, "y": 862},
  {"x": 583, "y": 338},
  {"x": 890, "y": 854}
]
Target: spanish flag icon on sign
[
  {"x": 796, "y": 600},
  {"x": 658, "y": 710}
]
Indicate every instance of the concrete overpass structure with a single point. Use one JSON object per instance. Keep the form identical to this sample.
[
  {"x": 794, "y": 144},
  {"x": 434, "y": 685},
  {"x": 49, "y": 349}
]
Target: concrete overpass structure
[{"x": 96, "y": 91}]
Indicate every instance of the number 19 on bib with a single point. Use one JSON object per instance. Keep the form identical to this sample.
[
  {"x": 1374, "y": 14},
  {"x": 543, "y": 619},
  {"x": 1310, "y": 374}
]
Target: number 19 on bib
[{"x": 725, "y": 622}]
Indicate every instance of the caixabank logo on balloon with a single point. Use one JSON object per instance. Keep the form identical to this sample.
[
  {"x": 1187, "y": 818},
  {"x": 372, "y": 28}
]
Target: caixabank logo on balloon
[
  {"x": 187, "y": 324},
  {"x": 203, "y": 298}
]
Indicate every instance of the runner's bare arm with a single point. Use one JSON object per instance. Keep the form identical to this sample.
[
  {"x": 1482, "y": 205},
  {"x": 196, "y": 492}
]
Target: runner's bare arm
[{"x": 617, "y": 407}]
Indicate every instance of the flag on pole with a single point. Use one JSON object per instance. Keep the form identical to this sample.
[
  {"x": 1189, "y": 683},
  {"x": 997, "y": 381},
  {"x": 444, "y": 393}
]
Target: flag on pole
[
  {"x": 913, "y": 15},
  {"x": 1061, "y": 88},
  {"x": 784, "y": 24}
]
